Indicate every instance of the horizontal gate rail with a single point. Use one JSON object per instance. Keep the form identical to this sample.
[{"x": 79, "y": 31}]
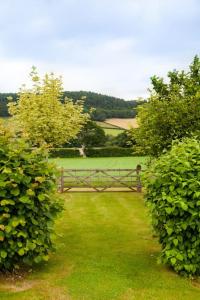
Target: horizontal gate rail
[{"x": 100, "y": 180}]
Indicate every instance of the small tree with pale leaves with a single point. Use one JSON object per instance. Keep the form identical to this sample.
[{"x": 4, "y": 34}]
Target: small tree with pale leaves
[{"x": 41, "y": 117}]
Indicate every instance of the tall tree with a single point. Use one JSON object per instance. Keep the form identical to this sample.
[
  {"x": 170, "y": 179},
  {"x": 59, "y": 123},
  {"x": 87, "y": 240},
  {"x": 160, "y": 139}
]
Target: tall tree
[
  {"x": 92, "y": 135},
  {"x": 172, "y": 111},
  {"x": 41, "y": 117}
]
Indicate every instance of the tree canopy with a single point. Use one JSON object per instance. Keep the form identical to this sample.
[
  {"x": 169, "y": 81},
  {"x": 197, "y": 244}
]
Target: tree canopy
[
  {"x": 172, "y": 111},
  {"x": 104, "y": 106},
  {"x": 40, "y": 116}
]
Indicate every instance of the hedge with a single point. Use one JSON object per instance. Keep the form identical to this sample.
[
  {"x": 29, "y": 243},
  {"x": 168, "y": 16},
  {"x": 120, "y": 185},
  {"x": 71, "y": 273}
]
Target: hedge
[
  {"x": 109, "y": 152},
  {"x": 172, "y": 185},
  {"x": 28, "y": 205},
  {"x": 64, "y": 152}
]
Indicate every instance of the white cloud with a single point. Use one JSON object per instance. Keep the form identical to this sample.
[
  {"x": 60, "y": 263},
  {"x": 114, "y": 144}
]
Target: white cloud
[{"x": 108, "y": 46}]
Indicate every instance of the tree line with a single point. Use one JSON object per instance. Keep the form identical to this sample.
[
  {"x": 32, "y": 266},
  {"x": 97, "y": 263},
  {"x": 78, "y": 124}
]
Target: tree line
[{"x": 104, "y": 106}]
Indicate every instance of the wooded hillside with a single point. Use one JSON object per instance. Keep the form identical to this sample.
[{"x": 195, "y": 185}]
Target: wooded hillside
[{"x": 105, "y": 106}]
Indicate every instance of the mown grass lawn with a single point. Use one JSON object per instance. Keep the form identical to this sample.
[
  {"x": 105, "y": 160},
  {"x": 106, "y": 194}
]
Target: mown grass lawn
[
  {"x": 105, "y": 250},
  {"x": 100, "y": 162}
]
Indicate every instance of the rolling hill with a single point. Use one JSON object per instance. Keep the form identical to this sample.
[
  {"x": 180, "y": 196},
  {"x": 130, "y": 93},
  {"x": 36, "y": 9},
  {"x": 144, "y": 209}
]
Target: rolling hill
[{"x": 105, "y": 106}]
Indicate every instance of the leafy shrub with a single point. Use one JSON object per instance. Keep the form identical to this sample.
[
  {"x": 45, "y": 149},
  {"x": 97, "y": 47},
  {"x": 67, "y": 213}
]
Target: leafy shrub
[
  {"x": 28, "y": 205},
  {"x": 172, "y": 111},
  {"x": 64, "y": 152},
  {"x": 108, "y": 152},
  {"x": 173, "y": 195}
]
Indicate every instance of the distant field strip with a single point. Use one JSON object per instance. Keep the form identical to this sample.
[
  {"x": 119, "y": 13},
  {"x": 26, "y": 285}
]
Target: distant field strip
[
  {"x": 107, "y": 125},
  {"x": 122, "y": 123},
  {"x": 113, "y": 131},
  {"x": 110, "y": 129},
  {"x": 101, "y": 162}
]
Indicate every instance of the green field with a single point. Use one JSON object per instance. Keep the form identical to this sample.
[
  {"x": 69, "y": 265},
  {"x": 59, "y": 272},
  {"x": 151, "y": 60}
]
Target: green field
[
  {"x": 105, "y": 251},
  {"x": 114, "y": 132},
  {"x": 100, "y": 162},
  {"x": 110, "y": 129}
]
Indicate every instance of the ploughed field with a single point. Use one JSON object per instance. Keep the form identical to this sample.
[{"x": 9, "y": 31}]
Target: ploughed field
[{"x": 105, "y": 251}]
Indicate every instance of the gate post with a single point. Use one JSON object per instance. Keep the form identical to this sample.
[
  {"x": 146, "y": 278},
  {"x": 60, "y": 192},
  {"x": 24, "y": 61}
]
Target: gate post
[{"x": 139, "y": 184}]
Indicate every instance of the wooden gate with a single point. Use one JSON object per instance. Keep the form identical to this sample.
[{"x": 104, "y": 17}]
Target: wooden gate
[{"x": 100, "y": 180}]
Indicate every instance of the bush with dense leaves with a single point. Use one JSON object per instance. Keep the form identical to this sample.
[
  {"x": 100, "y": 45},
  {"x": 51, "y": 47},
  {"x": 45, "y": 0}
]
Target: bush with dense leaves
[
  {"x": 173, "y": 195},
  {"x": 172, "y": 111},
  {"x": 28, "y": 204}
]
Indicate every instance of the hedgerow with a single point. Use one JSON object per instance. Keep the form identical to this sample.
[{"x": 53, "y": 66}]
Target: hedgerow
[
  {"x": 28, "y": 204},
  {"x": 173, "y": 196},
  {"x": 109, "y": 152},
  {"x": 64, "y": 152}
]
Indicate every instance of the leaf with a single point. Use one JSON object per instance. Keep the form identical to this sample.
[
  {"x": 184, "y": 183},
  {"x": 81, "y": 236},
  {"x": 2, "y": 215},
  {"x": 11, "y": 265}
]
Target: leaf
[
  {"x": 45, "y": 257},
  {"x": 184, "y": 206},
  {"x": 168, "y": 210},
  {"x": 41, "y": 197},
  {"x": 15, "y": 222},
  {"x": 7, "y": 202},
  {"x": 8, "y": 228},
  {"x": 19, "y": 244},
  {"x": 3, "y": 253},
  {"x": 38, "y": 259},
  {"x": 40, "y": 179},
  {"x": 179, "y": 256},
  {"x": 169, "y": 230},
  {"x": 175, "y": 241},
  {"x": 24, "y": 199},
  {"x": 21, "y": 252},
  {"x": 173, "y": 260},
  {"x": 30, "y": 192},
  {"x": 15, "y": 192},
  {"x": 184, "y": 225}
]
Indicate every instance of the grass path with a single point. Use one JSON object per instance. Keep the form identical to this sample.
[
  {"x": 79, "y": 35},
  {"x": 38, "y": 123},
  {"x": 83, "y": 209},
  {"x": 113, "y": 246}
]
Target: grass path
[{"x": 105, "y": 251}]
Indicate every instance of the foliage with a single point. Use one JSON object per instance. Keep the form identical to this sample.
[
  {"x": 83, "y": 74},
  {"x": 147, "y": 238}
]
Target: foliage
[
  {"x": 40, "y": 115},
  {"x": 108, "y": 152},
  {"x": 125, "y": 139},
  {"x": 4, "y": 103},
  {"x": 105, "y": 106},
  {"x": 101, "y": 114},
  {"x": 173, "y": 196},
  {"x": 172, "y": 112},
  {"x": 92, "y": 135},
  {"x": 64, "y": 152},
  {"x": 28, "y": 204}
]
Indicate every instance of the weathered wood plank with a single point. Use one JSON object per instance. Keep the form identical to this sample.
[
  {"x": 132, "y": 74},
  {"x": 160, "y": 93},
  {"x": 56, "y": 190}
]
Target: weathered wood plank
[{"x": 100, "y": 180}]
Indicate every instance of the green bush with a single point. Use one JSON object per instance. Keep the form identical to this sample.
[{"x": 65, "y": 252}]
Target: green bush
[
  {"x": 108, "y": 152},
  {"x": 173, "y": 196},
  {"x": 64, "y": 152},
  {"x": 28, "y": 205}
]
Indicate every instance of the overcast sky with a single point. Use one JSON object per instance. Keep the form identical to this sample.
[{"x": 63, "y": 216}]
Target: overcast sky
[{"x": 107, "y": 46}]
